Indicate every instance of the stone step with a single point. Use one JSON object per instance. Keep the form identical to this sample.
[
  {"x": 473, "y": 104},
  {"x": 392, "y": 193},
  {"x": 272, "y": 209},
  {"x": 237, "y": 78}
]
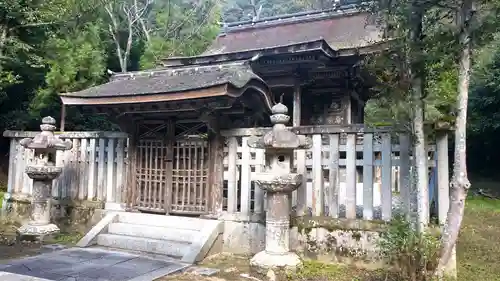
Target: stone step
[
  {"x": 163, "y": 247},
  {"x": 153, "y": 232},
  {"x": 185, "y": 223}
]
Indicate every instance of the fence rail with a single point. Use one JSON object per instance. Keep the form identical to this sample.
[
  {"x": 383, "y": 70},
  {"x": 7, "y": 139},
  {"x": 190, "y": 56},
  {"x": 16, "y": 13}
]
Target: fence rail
[
  {"x": 350, "y": 172},
  {"x": 94, "y": 169}
]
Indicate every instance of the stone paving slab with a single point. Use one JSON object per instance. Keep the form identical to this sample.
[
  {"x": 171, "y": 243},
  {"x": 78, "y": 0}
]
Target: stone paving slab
[{"x": 88, "y": 264}]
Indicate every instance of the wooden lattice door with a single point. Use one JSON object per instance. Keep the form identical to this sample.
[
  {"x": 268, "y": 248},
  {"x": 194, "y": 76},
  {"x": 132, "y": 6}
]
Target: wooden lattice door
[
  {"x": 172, "y": 171},
  {"x": 153, "y": 176},
  {"x": 190, "y": 188}
]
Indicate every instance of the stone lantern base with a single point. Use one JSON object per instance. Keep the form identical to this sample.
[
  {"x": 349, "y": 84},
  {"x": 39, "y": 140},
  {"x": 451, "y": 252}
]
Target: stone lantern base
[
  {"x": 37, "y": 231},
  {"x": 273, "y": 267}
]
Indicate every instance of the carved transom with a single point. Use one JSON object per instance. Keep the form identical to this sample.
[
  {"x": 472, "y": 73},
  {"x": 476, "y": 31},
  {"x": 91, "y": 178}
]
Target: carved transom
[{"x": 187, "y": 130}]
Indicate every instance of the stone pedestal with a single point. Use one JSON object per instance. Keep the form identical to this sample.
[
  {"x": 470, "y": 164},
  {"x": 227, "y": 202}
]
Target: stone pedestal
[
  {"x": 39, "y": 224},
  {"x": 43, "y": 172},
  {"x": 279, "y": 183},
  {"x": 277, "y": 253}
]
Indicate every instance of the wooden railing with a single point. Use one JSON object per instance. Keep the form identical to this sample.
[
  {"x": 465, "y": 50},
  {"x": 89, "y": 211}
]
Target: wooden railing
[
  {"x": 94, "y": 169},
  {"x": 370, "y": 169}
]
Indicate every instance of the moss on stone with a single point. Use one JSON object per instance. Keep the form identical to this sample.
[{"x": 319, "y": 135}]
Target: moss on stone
[{"x": 306, "y": 224}]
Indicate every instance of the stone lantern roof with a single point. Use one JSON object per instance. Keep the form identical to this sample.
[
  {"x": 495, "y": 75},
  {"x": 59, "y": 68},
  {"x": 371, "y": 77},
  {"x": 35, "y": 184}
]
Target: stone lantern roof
[
  {"x": 280, "y": 138},
  {"x": 46, "y": 138}
]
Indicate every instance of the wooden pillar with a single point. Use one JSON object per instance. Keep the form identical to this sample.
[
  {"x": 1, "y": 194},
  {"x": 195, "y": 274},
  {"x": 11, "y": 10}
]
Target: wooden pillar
[
  {"x": 443, "y": 182},
  {"x": 297, "y": 105},
  {"x": 131, "y": 185},
  {"x": 299, "y": 197},
  {"x": 216, "y": 170},
  {"x": 63, "y": 117},
  {"x": 170, "y": 142}
]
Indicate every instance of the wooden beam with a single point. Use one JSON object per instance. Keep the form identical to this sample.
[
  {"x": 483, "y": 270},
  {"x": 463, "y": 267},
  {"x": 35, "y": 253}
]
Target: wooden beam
[
  {"x": 297, "y": 105},
  {"x": 275, "y": 82},
  {"x": 131, "y": 184},
  {"x": 63, "y": 118},
  {"x": 216, "y": 174},
  {"x": 170, "y": 141},
  {"x": 310, "y": 130}
]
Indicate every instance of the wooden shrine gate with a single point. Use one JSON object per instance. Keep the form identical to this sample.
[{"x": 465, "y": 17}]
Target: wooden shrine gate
[{"x": 172, "y": 173}]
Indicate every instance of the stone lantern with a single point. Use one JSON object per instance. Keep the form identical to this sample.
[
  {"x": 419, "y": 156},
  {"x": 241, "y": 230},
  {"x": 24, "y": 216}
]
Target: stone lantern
[
  {"x": 42, "y": 171},
  {"x": 279, "y": 183}
]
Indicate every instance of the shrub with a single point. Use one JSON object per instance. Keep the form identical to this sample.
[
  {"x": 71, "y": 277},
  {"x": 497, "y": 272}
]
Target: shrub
[{"x": 413, "y": 254}]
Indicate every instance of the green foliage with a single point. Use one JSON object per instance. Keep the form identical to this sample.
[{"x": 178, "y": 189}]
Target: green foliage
[
  {"x": 7, "y": 78},
  {"x": 414, "y": 254},
  {"x": 75, "y": 61},
  {"x": 243, "y": 10},
  {"x": 56, "y": 46},
  {"x": 485, "y": 92},
  {"x": 434, "y": 57},
  {"x": 180, "y": 29},
  {"x": 484, "y": 119}
]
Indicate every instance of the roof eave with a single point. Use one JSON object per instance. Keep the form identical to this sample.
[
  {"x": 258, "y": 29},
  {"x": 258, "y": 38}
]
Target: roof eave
[
  {"x": 296, "y": 48},
  {"x": 365, "y": 50},
  {"x": 226, "y": 89},
  {"x": 74, "y": 99}
]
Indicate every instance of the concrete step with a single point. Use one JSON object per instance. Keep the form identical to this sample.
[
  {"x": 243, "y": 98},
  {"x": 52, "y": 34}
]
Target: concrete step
[
  {"x": 184, "y": 238},
  {"x": 163, "y": 247},
  {"x": 153, "y": 232},
  {"x": 185, "y": 223}
]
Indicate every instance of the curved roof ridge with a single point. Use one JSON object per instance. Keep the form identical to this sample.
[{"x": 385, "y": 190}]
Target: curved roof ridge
[
  {"x": 175, "y": 70},
  {"x": 338, "y": 10}
]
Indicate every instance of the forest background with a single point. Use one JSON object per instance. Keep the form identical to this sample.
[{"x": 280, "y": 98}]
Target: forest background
[{"x": 53, "y": 46}]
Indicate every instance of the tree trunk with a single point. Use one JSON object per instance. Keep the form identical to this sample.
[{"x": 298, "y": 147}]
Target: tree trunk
[
  {"x": 459, "y": 185},
  {"x": 114, "y": 32},
  {"x": 139, "y": 13},
  {"x": 415, "y": 68}
]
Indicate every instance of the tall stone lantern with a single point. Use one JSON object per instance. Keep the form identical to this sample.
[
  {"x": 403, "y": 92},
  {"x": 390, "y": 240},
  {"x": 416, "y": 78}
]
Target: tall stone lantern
[
  {"x": 42, "y": 171},
  {"x": 279, "y": 183}
]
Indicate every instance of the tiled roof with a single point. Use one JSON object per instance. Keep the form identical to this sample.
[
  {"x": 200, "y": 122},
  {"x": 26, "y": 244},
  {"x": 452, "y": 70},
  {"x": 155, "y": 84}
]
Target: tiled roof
[
  {"x": 341, "y": 29},
  {"x": 171, "y": 80}
]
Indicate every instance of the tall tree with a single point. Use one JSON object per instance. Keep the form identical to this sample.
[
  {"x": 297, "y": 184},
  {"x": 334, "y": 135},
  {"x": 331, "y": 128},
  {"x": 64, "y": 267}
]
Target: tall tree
[
  {"x": 416, "y": 68},
  {"x": 177, "y": 28},
  {"x": 125, "y": 18},
  {"x": 459, "y": 185}
]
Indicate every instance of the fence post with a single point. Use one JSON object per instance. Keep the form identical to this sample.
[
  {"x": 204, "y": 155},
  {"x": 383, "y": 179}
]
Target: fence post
[
  {"x": 232, "y": 188},
  {"x": 245, "y": 178},
  {"x": 11, "y": 173},
  {"x": 317, "y": 175},
  {"x": 443, "y": 190},
  {"x": 404, "y": 173}
]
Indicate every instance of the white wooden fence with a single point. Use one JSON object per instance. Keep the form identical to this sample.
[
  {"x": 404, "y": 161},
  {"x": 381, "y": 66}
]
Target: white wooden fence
[
  {"x": 370, "y": 170},
  {"x": 94, "y": 169}
]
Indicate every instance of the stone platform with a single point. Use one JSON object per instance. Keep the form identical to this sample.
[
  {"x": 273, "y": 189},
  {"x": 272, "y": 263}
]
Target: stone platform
[{"x": 89, "y": 264}]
